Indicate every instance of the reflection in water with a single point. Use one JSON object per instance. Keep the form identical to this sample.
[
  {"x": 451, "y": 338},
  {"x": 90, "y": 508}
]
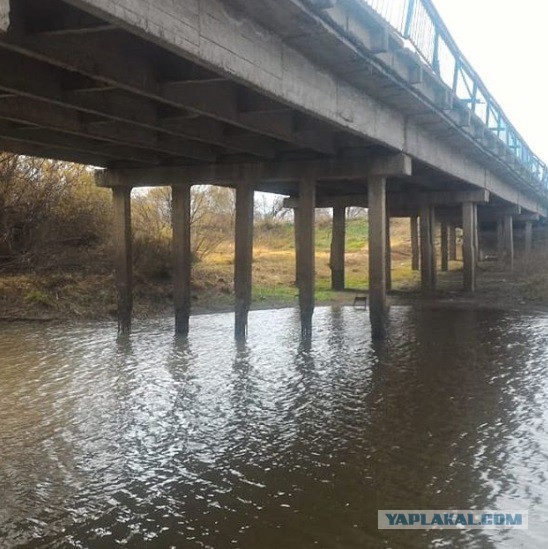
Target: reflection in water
[{"x": 277, "y": 442}]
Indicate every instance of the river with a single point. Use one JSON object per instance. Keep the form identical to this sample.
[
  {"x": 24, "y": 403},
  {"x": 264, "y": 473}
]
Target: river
[{"x": 154, "y": 442}]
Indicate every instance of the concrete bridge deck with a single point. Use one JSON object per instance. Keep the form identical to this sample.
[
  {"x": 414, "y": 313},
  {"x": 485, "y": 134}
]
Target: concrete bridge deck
[{"x": 314, "y": 99}]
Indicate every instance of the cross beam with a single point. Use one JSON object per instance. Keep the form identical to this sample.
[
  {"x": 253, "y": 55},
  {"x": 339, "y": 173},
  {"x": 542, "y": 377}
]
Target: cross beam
[{"x": 229, "y": 174}]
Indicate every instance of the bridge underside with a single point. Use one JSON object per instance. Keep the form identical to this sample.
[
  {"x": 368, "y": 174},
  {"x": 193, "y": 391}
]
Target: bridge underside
[{"x": 258, "y": 96}]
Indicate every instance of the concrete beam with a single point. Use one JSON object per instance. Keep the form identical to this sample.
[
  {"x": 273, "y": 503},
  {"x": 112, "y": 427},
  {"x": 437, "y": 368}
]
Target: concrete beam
[
  {"x": 401, "y": 201},
  {"x": 279, "y": 69},
  {"x": 323, "y": 170}
]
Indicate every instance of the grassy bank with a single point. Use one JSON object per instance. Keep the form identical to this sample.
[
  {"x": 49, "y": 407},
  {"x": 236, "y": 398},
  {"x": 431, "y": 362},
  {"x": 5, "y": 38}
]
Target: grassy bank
[{"x": 86, "y": 289}]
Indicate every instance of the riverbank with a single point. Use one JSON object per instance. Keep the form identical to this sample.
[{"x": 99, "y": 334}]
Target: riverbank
[{"x": 81, "y": 293}]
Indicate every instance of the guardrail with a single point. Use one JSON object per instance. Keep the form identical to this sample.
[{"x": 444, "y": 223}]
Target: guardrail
[{"x": 418, "y": 22}]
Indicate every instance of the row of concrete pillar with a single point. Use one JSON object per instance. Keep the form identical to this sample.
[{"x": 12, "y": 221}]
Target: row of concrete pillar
[{"x": 422, "y": 243}]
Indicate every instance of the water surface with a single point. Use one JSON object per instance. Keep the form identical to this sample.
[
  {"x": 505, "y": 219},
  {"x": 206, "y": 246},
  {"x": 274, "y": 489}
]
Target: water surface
[{"x": 154, "y": 442}]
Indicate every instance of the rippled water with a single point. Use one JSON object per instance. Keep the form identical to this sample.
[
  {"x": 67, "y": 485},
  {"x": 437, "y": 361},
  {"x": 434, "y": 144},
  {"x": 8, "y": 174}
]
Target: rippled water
[{"x": 163, "y": 443}]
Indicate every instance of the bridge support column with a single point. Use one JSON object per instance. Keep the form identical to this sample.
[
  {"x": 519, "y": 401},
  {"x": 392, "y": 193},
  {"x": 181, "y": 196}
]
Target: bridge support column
[
  {"x": 469, "y": 223},
  {"x": 123, "y": 256},
  {"x": 305, "y": 252},
  {"x": 444, "y": 246},
  {"x": 377, "y": 255},
  {"x": 243, "y": 256},
  {"x": 388, "y": 255},
  {"x": 336, "y": 261},
  {"x": 297, "y": 234},
  {"x": 528, "y": 239},
  {"x": 500, "y": 241},
  {"x": 415, "y": 243},
  {"x": 477, "y": 235},
  {"x": 428, "y": 249},
  {"x": 452, "y": 242},
  {"x": 182, "y": 256},
  {"x": 508, "y": 235}
]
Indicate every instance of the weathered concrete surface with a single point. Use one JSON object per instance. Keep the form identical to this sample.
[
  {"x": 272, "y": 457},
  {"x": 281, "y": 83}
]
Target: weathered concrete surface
[
  {"x": 336, "y": 260},
  {"x": 243, "y": 256},
  {"x": 212, "y": 33},
  {"x": 121, "y": 236},
  {"x": 182, "y": 257},
  {"x": 377, "y": 255}
]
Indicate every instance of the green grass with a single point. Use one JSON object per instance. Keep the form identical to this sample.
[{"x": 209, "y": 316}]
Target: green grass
[{"x": 281, "y": 237}]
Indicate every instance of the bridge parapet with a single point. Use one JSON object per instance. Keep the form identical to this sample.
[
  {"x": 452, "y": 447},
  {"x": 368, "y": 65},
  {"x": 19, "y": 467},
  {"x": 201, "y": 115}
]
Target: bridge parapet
[{"x": 422, "y": 30}]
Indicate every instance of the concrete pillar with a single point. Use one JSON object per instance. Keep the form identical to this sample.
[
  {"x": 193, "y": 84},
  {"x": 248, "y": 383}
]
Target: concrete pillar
[
  {"x": 182, "y": 256},
  {"x": 444, "y": 246},
  {"x": 528, "y": 239},
  {"x": 476, "y": 235},
  {"x": 428, "y": 249},
  {"x": 297, "y": 233},
  {"x": 469, "y": 212},
  {"x": 508, "y": 235},
  {"x": 243, "y": 256},
  {"x": 306, "y": 251},
  {"x": 377, "y": 255},
  {"x": 452, "y": 242},
  {"x": 388, "y": 255},
  {"x": 338, "y": 248},
  {"x": 123, "y": 256},
  {"x": 415, "y": 243},
  {"x": 500, "y": 241}
]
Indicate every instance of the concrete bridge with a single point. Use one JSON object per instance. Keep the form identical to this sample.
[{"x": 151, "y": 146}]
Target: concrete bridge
[{"x": 333, "y": 103}]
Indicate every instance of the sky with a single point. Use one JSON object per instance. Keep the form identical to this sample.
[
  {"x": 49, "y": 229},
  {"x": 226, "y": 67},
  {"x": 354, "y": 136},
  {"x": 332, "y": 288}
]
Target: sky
[{"x": 506, "y": 42}]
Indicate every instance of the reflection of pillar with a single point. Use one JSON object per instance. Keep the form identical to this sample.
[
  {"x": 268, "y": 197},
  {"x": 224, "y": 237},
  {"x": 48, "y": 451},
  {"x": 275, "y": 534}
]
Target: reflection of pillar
[
  {"x": 414, "y": 243},
  {"x": 377, "y": 255},
  {"x": 452, "y": 242},
  {"x": 528, "y": 239},
  {"x": 305, "y": 252},
  {"x": 428, "y": 249},
  {"x": 444, "y": 246},
  {"x": 508, "y": 223},
  {"x": 123, "y": 255},
  {"x": 337, "y": 248},
  {"x": 243, "y": 257},
  {"x": 469, "y": 212},
  {"x": 182, "y": 256},
  {"x": 388, "y": 255}
]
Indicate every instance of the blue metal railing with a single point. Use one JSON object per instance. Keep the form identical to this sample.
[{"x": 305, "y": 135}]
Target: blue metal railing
[{"x": 418, "y": 22}]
